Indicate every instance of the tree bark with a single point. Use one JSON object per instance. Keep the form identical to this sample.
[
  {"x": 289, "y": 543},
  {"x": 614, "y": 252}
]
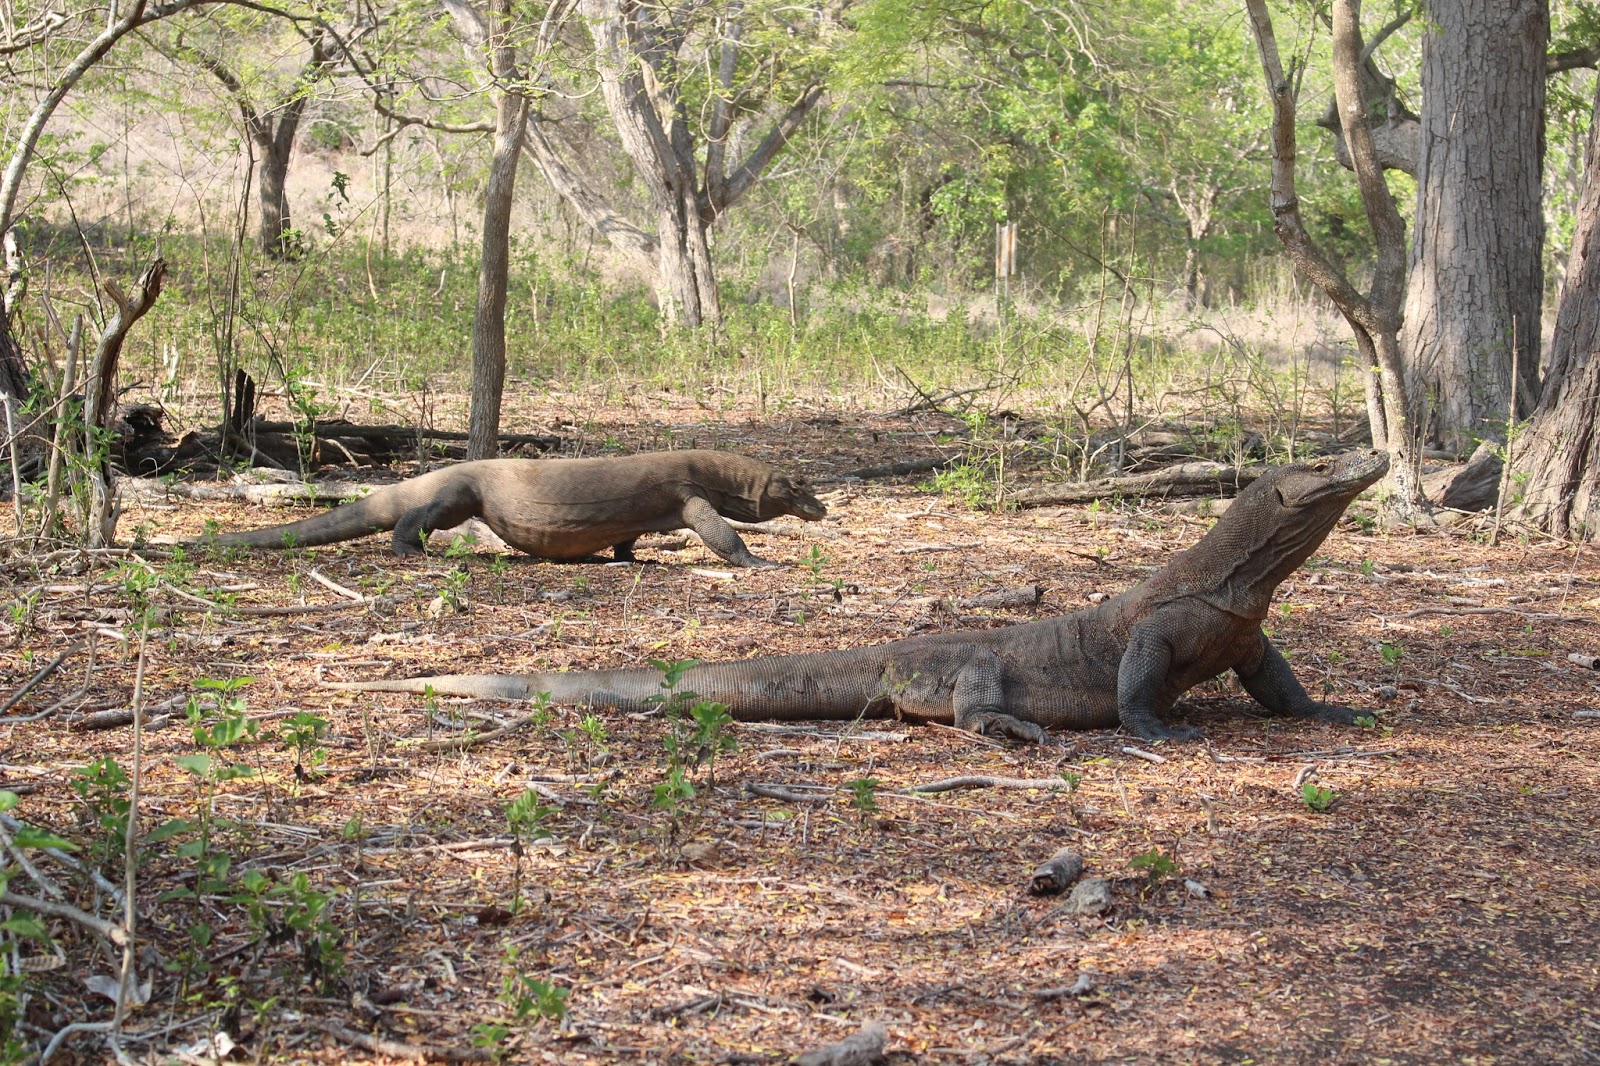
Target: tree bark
[
  {"x": 1476, "y": 271},
  {"x": 275, "y": 138},
  {"x": 1555, "y": 462},
  {"x": 489, "y": 321}
]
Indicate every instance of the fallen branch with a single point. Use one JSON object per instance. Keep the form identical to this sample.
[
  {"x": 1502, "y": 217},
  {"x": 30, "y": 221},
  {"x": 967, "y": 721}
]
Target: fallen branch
[
  {"x": 307, "y": 492},
  {"x": 780, "y": 792},
  {"x": 1140, "y": 753},
  {"x": 110, "y": 930},
  {"x": 49, "y": 668},
  {"x": 333, "y": 429},
  {"x": 267, "y": 612},
  {"x": 1184, "y": 479},
  {"x": 950, "y": 784},
  {"x": 1536, "y": 616},
  {"x": 398, "y": 1048},
  {"x": 466, "y": 742},
  {"x": 1083, "y": 984}
]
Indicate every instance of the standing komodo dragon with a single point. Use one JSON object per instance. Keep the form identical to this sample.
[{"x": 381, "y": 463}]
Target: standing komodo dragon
[
  {"x": 564, "y": 508},
  {"x": 1123, "y": 661}
]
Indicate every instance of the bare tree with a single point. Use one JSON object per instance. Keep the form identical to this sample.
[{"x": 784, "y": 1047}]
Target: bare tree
[
  {"x": 644, "y": 55},
  {"x": 1374, "y": 318}
]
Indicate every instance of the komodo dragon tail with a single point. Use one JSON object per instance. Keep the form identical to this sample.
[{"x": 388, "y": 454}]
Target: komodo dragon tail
[
  {"x": 358, "y": 518},
  {"x": 837, "y": 685}
]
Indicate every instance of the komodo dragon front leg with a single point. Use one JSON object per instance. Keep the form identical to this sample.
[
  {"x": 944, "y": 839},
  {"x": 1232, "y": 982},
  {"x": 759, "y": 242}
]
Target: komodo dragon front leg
[
  {"x": 1273, "y": 685},
  {"x": 1141, "y": 677},
  {"x": 719, "y": 536}
]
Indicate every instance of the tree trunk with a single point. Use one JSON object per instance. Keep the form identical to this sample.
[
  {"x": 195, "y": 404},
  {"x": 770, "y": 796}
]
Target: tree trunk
[
  {"x": 1555, "y": 462},
  {"x": 648, "y": 127},
  {"x": 275, "y": 228},
  {"x": 489, "y": 322},
  {"x": 99, "y": 398},
  {"x": 1477, "y": 273}
]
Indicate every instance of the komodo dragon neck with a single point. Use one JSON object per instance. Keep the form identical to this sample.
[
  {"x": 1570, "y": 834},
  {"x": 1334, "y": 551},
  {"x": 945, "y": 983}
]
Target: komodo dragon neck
[{"x": 1272, "y": 527}]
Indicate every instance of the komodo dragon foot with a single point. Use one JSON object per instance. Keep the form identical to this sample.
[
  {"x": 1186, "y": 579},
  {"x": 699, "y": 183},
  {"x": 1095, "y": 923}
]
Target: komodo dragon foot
[
  {"x": 1333, "y": 712},
  {"x": 996, "y": 724}
]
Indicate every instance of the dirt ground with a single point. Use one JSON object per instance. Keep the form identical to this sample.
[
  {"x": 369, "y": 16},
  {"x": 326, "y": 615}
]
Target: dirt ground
[{"x": 1441, "y": 909}]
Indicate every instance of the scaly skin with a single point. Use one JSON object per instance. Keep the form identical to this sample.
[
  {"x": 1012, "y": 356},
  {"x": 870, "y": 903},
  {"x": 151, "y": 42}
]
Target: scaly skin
[
  {"x": 1123, "y": 662},
  {"x": 565, "y": 508}
]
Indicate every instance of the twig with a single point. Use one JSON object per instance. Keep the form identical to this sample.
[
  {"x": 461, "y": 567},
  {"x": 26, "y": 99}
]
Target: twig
[
  {"x": 61, "y": 1035},
  {"x": 69, "y": 861},
  {"x": 266, "y": 612},
  {"x": 329, "y": 583},
  {"x": 463, "y": 743},
  {"x": 49, "y": 668},
  {"x": 16, "y": 464},
  {"x": 784, "y": 793},
  {"x": 397, "y": 1048},
  {"x": 966, "y": 734},
  {"x": 1537, "y": 616},
  {"x": 950, "y": 784},
  {"x": 110, "y": 930},
  {"x": 1140, "y": 753},
  {"x": 127, "y": 978}
]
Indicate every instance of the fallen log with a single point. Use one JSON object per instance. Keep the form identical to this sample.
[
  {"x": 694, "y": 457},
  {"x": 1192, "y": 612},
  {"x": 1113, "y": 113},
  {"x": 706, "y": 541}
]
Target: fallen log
[{"x": 1185, "y": 479}]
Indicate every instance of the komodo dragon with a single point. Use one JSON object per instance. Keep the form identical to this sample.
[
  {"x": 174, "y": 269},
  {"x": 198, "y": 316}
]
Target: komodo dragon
[
  {"x": 1123, "y": 661},
  {"x": 565, "y": 508}
]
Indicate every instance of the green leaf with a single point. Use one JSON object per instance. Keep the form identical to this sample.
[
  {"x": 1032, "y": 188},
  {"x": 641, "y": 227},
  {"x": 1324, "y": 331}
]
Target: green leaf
[
  {"x": 199, "y": 765},
  {"x": 168, "y": 829},
  {"x": 26, "y": 836},
  {"x": 26, "y": 925}
]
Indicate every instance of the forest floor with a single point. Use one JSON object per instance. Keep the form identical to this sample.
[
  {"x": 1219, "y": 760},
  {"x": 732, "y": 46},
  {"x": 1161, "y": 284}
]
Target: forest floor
[{"x": 1441, "y": 909}]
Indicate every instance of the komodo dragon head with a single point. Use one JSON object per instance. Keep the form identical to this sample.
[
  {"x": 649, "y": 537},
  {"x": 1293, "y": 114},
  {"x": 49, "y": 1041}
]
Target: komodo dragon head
[
  {"x": 781, "y": 495},
  {"x": 1279, "y": 521}
]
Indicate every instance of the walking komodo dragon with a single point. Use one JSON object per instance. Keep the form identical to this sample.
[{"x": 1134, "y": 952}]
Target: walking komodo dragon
[
  {"x": 565, "y": 508},
  {"x": 1124, "y": 661}
]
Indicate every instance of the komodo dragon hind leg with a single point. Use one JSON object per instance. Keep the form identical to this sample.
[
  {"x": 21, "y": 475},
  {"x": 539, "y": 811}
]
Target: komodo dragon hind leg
[
  {"x": 979, "y": 701},
  {"x": 450, "y": 506},
  {"x": 1274, "y": 686},
  {"x": 623, "y": 553},
  {"x": 719, "y": 536}
]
